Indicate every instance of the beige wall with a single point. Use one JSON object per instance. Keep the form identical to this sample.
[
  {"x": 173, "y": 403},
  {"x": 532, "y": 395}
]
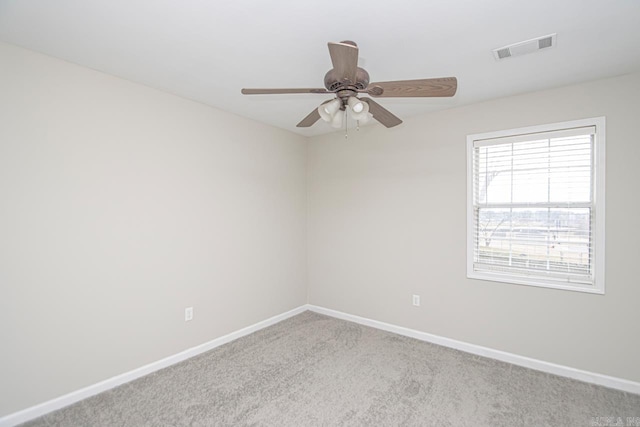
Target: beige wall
[
  {"x": 120, "y": 206},
  {"x": 387, "y": 220}
]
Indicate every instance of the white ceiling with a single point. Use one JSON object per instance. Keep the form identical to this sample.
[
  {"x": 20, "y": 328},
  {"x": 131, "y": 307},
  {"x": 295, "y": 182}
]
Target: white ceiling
[{"x": 207, "y": 50}]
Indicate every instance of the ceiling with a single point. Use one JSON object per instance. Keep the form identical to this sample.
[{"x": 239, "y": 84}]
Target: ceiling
[{"x": 208, "y": 50}]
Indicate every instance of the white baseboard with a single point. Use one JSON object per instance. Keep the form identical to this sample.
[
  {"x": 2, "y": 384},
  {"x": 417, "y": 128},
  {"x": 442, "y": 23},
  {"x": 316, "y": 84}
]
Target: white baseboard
[
  {"x": 552, "y": 368},
  {"x": 75, "y": 396},
  {"x": 527, "y": 362}
]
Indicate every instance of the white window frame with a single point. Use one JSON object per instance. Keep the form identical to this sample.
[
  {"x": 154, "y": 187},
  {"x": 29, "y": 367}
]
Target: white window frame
[{"x": 598, "y": 206}]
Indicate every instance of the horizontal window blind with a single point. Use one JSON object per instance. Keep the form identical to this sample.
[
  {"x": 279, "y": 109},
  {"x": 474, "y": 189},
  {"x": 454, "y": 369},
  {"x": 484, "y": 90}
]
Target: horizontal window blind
[{"x": 533, "y": 205}]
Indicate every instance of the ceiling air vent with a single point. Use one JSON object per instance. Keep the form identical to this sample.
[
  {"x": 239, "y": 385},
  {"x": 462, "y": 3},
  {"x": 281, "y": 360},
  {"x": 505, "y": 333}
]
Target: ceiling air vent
[{"x": 522, "y": 48}]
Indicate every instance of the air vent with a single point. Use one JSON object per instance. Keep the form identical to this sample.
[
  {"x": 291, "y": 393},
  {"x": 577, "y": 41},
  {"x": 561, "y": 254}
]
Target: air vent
[
  {"x": 503, "y": 53},
  {"x": 545, "y": 42},
  {"x": 522, "y": 48}
]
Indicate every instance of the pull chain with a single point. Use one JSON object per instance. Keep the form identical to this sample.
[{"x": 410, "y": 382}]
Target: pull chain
[{"x": 346, "y": 125}]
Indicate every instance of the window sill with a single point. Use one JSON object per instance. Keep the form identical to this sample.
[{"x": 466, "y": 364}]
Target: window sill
[{"x": 537, "y": 282}]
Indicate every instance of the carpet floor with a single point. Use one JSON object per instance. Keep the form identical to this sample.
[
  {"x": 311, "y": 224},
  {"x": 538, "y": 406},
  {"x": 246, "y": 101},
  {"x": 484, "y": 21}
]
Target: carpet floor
[{"x": 315, "y": 370}]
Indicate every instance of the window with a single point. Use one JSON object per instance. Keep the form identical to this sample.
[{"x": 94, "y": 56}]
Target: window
[{"x": 535, "y": 205}]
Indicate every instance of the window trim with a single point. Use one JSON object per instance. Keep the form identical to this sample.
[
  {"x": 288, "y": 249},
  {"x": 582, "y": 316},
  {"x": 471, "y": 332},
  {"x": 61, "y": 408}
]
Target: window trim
[{"x": 598, "y": 203}]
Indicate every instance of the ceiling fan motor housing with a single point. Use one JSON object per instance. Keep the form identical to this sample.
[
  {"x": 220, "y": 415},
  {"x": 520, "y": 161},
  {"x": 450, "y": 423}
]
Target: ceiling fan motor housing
[{"x": 333, "y": 82}]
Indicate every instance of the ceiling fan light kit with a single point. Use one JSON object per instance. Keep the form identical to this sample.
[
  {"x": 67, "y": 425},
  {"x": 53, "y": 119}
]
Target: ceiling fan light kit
[
  {"x": 334, "y": 111},
  {"x": 346, "y": 80}
]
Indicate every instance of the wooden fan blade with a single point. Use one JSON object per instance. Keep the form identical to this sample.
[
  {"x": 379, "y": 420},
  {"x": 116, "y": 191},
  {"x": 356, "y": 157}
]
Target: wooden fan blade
[
  {"x": 308, "y": 121},
  {"x": 282, "y": 91},
  {"x": 345, "y": 60},
  {"x": 445, "y": 86},
  {"x": 381, "y": 114}
]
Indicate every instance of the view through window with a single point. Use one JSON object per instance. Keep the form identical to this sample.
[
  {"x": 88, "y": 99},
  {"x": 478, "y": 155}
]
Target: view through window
[{"x": 533, "y": 213}]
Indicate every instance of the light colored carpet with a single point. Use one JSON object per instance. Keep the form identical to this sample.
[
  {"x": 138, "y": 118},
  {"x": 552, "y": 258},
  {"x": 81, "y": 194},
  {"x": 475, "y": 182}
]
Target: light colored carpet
[{"x": 313, "y": 370}]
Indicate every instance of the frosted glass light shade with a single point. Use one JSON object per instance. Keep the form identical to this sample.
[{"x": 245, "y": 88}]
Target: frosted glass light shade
[
  {"x": 336, "y": 122},
  {"x": 366, "y": 118},
  {"x": 328, "y": 111},
  {"x": 356, "y": 105},
  {"x": 359, "y": 108}
]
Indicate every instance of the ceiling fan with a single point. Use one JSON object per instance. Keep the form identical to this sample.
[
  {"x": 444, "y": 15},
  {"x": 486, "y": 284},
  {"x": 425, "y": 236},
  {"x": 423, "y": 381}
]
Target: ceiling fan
[{"x": 346, "y": 80}]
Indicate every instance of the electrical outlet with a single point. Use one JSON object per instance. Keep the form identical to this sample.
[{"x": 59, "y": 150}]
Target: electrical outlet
[
  {"x": 188, "y": 314},
  {"x": 416, "y": 300}
]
